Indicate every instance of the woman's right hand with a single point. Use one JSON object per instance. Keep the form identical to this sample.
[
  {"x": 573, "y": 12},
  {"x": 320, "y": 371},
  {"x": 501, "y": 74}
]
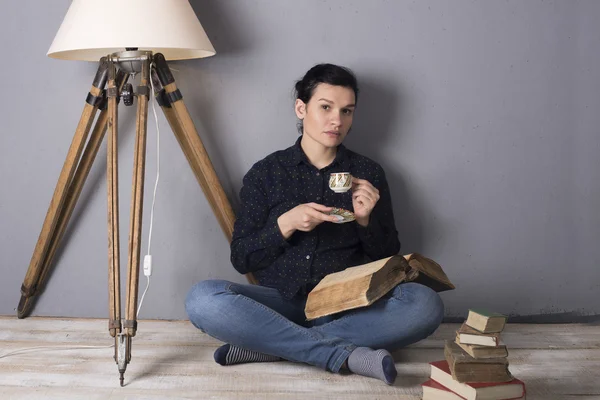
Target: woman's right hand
[{"x": 304, "y": 217}]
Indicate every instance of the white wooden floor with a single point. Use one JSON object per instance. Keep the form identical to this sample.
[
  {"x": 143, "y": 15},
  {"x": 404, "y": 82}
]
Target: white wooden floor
[{"x": 173, "y": 360}]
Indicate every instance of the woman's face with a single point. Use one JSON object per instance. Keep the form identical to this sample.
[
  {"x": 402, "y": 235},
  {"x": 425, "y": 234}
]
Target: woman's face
[{"x": 327, "y": 117}]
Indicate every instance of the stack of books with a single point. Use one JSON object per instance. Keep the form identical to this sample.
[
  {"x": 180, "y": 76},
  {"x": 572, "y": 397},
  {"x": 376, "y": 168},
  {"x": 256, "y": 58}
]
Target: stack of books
[{"x": 475, "y": 365}]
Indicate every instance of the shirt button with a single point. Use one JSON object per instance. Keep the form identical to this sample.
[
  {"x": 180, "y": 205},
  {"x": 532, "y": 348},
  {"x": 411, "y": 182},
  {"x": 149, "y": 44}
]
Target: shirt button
[
  {"x": 308, "y": 257},
  {"x": 318, "y": 173}
]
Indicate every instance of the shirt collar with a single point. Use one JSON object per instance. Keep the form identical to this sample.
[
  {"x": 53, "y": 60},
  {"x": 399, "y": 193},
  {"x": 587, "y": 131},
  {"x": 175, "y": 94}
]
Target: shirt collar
[{"x": 294, "y": 155}]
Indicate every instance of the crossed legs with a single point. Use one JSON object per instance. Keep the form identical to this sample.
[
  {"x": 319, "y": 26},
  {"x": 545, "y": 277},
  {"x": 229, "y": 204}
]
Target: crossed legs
[{"x": 259, "y": 319}]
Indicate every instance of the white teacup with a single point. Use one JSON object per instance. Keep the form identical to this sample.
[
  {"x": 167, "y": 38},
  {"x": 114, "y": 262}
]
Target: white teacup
[{"x": 340, "y": 182}]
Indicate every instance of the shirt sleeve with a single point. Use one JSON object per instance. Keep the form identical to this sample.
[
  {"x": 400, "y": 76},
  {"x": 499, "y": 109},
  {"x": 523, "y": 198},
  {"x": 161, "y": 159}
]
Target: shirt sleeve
[
  {"x": 379, "y": 238},
  {"x": 257, "y": 240}
]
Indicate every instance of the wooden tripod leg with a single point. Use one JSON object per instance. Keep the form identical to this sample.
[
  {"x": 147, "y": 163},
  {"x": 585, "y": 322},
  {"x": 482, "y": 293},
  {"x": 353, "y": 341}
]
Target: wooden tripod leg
[
  {"x": 114, "y": 288},
  {"x": 184, "y": 129},
  {"x": 31, "y": 281},
  {"x": 83, "y": 169},
  {"x": 137, "y": 202}
]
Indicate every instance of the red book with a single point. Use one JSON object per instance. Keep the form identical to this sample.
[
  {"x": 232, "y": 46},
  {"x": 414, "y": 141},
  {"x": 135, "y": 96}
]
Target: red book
[
  {"x": 432, "y": 390},
  {"x": 440, "y": 372}
]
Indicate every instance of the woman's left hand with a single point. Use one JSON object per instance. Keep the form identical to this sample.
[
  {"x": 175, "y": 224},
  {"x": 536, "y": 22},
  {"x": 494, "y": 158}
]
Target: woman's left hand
[{"x": 364, "y": 198}]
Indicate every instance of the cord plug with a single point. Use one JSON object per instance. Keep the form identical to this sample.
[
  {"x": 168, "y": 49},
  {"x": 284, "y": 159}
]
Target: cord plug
[{"x": 147, "y": 265}]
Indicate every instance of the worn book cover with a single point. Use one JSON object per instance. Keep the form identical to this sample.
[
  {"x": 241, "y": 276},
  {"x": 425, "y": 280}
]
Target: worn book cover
[
  {"x": 478, "y": 351},
  {"x": 362, "y": 285},
  {"x": 486, "y": 321},
  {"x": 465, "y": 368},
  {"x": 468, "y": 335}
]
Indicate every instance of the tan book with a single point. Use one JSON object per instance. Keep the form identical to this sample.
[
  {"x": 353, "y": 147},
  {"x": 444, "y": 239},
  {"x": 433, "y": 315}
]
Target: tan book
[
  {"x": 362, "y": 285},
  {"x": 477, "y": 351},
  {"x": 468, "y": 335},
  {"x": 465, "y": 368},
  {"x": 485, "y": 321}
]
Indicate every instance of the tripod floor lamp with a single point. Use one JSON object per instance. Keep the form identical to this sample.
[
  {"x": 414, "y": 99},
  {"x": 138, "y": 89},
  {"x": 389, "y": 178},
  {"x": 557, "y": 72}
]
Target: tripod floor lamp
[{"x": 156, "y": 31}]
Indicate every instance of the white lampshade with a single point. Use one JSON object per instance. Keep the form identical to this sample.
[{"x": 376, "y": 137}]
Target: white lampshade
[{"x": 95, "y": 28}]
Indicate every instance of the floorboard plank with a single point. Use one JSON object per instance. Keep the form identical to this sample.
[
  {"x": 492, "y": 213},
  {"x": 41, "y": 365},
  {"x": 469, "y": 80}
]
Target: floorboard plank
[{"x": 172, "y": 359}]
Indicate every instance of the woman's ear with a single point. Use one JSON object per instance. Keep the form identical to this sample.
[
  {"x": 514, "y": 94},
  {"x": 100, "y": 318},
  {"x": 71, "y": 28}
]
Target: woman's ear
[{"x": 300, "y": 109}]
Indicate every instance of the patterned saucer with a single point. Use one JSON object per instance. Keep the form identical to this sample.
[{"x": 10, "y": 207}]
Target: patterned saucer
[{"x": 343, "y": 215}]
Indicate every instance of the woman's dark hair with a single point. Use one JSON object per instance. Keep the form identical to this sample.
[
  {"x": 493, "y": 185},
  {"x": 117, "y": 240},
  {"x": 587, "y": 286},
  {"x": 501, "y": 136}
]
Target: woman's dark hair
[{"x": 324, "y": 73}]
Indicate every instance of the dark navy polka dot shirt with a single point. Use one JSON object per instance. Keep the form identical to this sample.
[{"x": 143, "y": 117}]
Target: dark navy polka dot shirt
[{"x": 285, "y": 179}]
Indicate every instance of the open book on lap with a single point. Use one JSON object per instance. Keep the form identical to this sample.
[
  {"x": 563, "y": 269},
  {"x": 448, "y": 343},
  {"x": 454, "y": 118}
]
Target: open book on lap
[{"x": 364, "y": 284}]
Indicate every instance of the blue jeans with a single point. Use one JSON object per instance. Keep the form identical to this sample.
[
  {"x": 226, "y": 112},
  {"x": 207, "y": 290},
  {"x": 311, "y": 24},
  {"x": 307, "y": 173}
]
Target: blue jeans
[{"x": 258, "y": 318}]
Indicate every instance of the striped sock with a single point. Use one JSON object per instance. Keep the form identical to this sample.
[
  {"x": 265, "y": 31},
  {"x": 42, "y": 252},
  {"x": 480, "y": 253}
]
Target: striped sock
[
  {"x": 228, "y": 355},
  {"x": 373, "y": 363}
]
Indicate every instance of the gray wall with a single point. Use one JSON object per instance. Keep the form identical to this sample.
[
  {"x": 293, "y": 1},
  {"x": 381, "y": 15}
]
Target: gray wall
[{"x": 484, "y": 114}]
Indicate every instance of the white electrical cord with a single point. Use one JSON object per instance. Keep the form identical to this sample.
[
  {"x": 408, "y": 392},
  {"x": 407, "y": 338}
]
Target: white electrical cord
[
  {"x": 157, "y": 166},
  {"x": 148, "y": 259}
]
